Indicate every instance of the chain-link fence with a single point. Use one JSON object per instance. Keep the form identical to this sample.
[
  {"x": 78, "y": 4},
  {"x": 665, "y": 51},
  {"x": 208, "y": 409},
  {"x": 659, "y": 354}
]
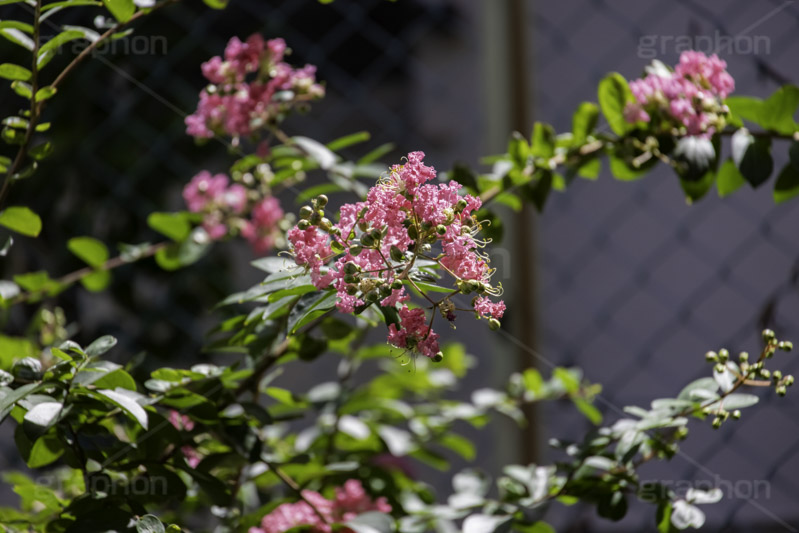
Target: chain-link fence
[{"x": 634, "y": 285}]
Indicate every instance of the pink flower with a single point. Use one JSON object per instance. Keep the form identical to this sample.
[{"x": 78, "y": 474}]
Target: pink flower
[
  {"x": 263, "y": 229},
  {"x": 414, "y": 333},
  {"x": 488, "y": 309},
  {"x": 203, "y": 190},
  {"x": 690, "y": 97},
  {"x": 350, "y": 501},
  {"x": 238, "y": 106}
]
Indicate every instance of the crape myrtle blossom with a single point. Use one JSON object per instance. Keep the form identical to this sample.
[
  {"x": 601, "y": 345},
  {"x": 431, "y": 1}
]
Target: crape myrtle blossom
[
  {"x": 372, "y": 254},
  {"x": 688, "y": 98},
  {"x": 225, "y": 208},
  {"x": 250, "y": 88},
  {"x": 184, "y": 423},
  {"x": 350, "y": 501}
]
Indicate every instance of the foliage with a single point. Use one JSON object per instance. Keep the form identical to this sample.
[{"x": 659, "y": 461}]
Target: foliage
[{"x": 228, "y": 448}]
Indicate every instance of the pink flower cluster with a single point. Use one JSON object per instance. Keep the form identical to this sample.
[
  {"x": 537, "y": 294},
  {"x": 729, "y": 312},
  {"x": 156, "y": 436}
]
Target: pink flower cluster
[
  {"x": 691, "y": 95},
  {"x": 380, "y": 240},
  {"x": 225, "y": 205},
  {"x": 350, "y": 501},
  {"x": 250, "y": 88},
  {"x": 184, "y": 423}
]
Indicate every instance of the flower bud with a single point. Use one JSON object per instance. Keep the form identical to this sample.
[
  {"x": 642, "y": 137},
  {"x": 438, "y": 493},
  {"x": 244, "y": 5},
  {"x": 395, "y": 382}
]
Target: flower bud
[
  {"x": 711, "y": 357},
  {"x": 441, "y": 229},
  {"x": 385, "y": 291},
  {"x": 461, "y": 205},
  {"x": 788, "y": 380},
  {"x": 766, "y": 373},
  {"x": 303, "y": 225},
  {"x": 372, "y": 297},
  {"x": 768, "y": 335},
  {"x": 425, "y": 248},
  {"x": 396, "y": 284},
  {"x": 306, "y": 212},
  {"x": 352, "y": 290},
  {"x": 321, "y": 200},
  {"x": 736, "y": 414},
  {"x": 781, "y": 390},
  {"x": 437, "y": 358},
  {"x": 376, "y": 234},
  {"x": 349, "y": 278},
  {"x": 325, "y": 224},
  {"x": 724, "y": 355},
  {"x": 743, "y": 357},
  {"x": 355, "y": 250},
  {"x": 316, "y": 218},
  {"x": 396, "y": 254},
  {"x": 776, "y": 375},
  {"x": 367, "y": 240},
  {"x": 350, "y": 267},
  {"x": 363, "y": 225},
  {"x": 412, "y": 233},
  {"x": 426, "y": 226},
  {"x": 719, "y": 368},
  {"x": 785, "y": 346},
  {"x": 716, "y": 423},
  {"x": 494, "y": 324}
]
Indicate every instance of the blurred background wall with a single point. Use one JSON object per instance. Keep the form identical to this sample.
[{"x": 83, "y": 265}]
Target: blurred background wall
[{"x": 629, "y": 282}]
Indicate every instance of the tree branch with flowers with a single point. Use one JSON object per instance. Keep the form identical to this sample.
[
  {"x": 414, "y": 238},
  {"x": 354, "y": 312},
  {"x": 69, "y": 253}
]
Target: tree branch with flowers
[{"x": 230, "y": 448}]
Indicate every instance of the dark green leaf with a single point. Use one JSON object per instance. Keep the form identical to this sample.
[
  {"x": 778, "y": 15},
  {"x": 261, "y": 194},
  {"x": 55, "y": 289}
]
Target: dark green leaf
[
  {"x": 787, "y": 185},
  {"x": 614, "y": 95}
]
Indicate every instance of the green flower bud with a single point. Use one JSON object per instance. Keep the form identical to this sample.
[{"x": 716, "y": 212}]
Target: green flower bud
[
  {"x": 306, "y": 212},
  {"x": 441, "y": 229},
  {"x": 788, "y": 380},
  {"x": 321, "y": 200},
  {"x": 376, "y": 234},
  {"x": 785, "y": 346},
  {"x": 367, "y": 240},
  {"x": 494, "y": 324},
  {"x": 425, "y": 248},
  {"x": 426, "y": 226},
  {"x": 743, "y": 357},
  {"x": 396, "y": 254},
  {"x": 681, "y": 433},
  {"x": 349, "y": 278},
  {"x": 724, "y": 355},
  {"x": 716, "y": 423},
  {"x": 711, "y": 357},
  {"x": 781, "y": 390},
  {"x": 355, "y": 250},
  {"x": 316, "y": 218},
  {"x": 303, "y": 225},
  {"x": 372, "y": 297},
  {"x": 325, "y": 224},
  {"x": 363, "y": 225},
  {"x": 736, "y": 414},
  {"x": 350, "y": 267},
  {"x": 765, "y": 373},
  {"x": 768, "y": 335},
  {"x": 461, "y": 205},
  {"x": 437, "y": 358},
  {"x": 352, "y": 290},
  {"x": 720, "y": 368},
  {"x": 776, "y": 375},
  {"x": 396, "y": 284}
]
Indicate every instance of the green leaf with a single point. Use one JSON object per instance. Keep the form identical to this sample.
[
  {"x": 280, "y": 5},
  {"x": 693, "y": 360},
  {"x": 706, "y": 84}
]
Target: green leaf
[
  {"x": 348, "y": 140},
  {"x": 173, "y": 225},
  {"x": 149, "y": 524},
  {"x": 41, "y": 417},
  {"x": 622, "y": 171},
  {"x": 45, "y": 93},
  {"x": 10, "y": 71},
  {"x": 614, "y": 95},
  {"x": 695, "y": 189},
  {"x": 13, "y": 396},
  {"x": 793, "y": 154},
  {"x": 584, "y": 122},
  {"x": 778, "y": 110},
  {"x": 744, "y": 107},
  {"x": 588, "y": 410},
  {"x": 60, "y": 39},
  {"x": 739, "y": 401},
  {"x": 93, "y": 252},
  {"x": 316, "y": 151},
  {"x": 542, "y": 141},
  {"x": 121, "y": 399},
  {"x": 756, "y": 164},
  {"x": 216, "y": 4},
  {"x": 96, "y": 281},
  {"x": 46, "y": 449},
  {"x": 308, "y": 307},
  {"x": 22, "y": 220},
  {"x": 121, "y": 9},
  {"x": 729, "y": 179},
  {"x": 101, "y": 346},
  {"x": 787, "y": 185}
]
